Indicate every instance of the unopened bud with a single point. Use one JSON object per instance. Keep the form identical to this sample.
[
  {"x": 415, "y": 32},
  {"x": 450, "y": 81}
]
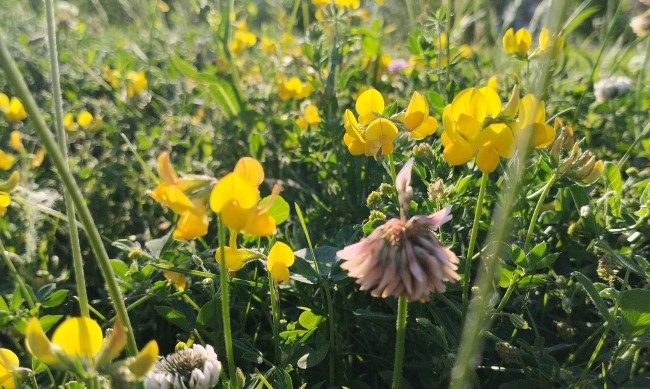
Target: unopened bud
[{"x": 510, "y": 109}]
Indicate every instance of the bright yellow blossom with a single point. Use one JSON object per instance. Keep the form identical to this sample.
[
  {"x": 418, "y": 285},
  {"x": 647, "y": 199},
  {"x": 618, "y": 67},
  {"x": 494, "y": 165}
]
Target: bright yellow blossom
[
  {"x": 15, "y": 112},
  {"x": 69, "y": 123},
  {"x": 517, "y": 43},
  {"x": 8, "y": 363},
  {"x": 6, "y": 160},
  {"x": 111, "y": 76},
  {"x": 177, "y": 279},
  {"x": 172, "y": 192},
  {"x": 416, "y": 119},
  {"x": 293, "y": 88},
  {"x": 5, "y": 187},
  {"x": 15, "y": 141},
  {"x": 546, "y": 44},
  {"x": 372, "y": 132},
  {"x": 4, "y": 102},
  {"x": 236, "y": 196},
  {"x": 320, "y": 3},
  {"x": 532, "y": 118},
  {"x": 310, "y": 118},
  {"x": 242, "y": 38},
  {"x": 136, "y": 83},
  {"x": 350, "y": 4},
  {"x": 280, "y": 258}
]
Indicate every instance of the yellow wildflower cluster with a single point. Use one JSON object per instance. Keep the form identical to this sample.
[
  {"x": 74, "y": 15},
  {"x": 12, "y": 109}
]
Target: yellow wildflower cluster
[
  {"x": 5, "y": 187},
  {"x": 242, "y": 38},
  {"x": 518, "y": 43},
  {"x": 135, "y": 82},
  {"x": 12, "y": 108},
  {"x": 309, "y": 118},
  {"x": 85, "y": 120},
  {"x": 373, "y": 132},
  {"x": 348, "y": 4},
  {"x": 476, "y": 125},
  {"x": 293, "y": 88}
]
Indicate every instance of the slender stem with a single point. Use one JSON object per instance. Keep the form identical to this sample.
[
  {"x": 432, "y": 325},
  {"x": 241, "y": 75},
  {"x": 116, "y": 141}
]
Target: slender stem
[
  {"x": 641, "y": 76},
  {"x": 16, "y": 80},
  {"x": 332, "y": 341},
  {"x": 538, "y": 208},
  {"x": 225, "y": 305},
  {"x": 633, "y": 145},
  {"x": 14, "y": 274},
  {"x": 77, "y": 261},
  {"x": 448, "y": 32},
  {"x": 472, "y": 241},
  {"x": 402, "y": 305},
  {"x": 275, "y": 315}
]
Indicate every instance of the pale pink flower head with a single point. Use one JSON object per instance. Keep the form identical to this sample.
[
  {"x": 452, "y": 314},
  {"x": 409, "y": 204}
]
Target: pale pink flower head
[{"x": 403, "y": 258}]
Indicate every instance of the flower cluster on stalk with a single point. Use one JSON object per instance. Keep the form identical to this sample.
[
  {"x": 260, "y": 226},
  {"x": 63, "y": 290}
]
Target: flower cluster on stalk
[
  {"x": 476, "y": 125},
  {"x": 371, "y": 133},
  {"x": 581, "y": 167},
  {"x": 403, "y": 257}
]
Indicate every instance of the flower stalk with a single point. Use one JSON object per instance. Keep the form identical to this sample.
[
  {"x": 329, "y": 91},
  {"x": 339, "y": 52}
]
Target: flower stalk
[
  {"x": 225, "y": 306},
  {"x": 402, "y": 306},
  {"x": 472, "y": 241},
  {"x": 15, "y": 79},
  {"x": 14, "y": 274},
  {"x": 77, "y": 261},
  {"x": 538, "y": 207}
]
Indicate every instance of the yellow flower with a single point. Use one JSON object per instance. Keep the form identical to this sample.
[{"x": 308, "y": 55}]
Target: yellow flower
[
  {"x": 76, "y": 337},
  {"x": 280, "y": 258},
  {"x": 87, "y": 121},
  {"x": 235, "y": 258},
  {"x": 111, "y": 76},
  {"x": 242, "y": 38},
  {"x": 320, "y": 3},
  {"x": 268, "y": 46},
  {"x": 5, "y": 200},
  {"x": 236, "y": 196},
  {"x": 136, "y": 82},
  {"x": 4, "y": 102},
  {"x": 372, "y": 132},
  {"x": 38, "y": 158},
  {"x": 547, "y": 45},
  {"x": 8, "y": 363},
  {"x": 7, "y": 186},
  {"x": 464, "y": 133},
  {"x": 15, "y": 141},
  {"x": 493, "y": 83},
  {"x": 310, "y": 118},
  {"x": 532, "y": 118},
  {"x": 69, "y": 123},
  {"x": 15, "y": 111},
  {"x": 6, "y": 160},
  {"x": 416, "y": 119},
  {"x": 172, "y": 192},
  {"x": 177, "y": 279},
  {"x": 145, "y": 360},
  {"x": 517, "y": 43}
]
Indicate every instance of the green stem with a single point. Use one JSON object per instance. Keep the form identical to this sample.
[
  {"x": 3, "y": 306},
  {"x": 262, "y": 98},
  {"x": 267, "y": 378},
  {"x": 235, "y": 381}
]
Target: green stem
[
  {"x": 225, "y": 304},
  {"x": 538, "y": 208},
  {"x": 448, "y": 32},
  {"x": 633, "y": 145},
  {"x": 275, "y": 315},
  {"x": 14, "y": 274},
  {"x": 16, "y": 80},
  {"x": 472, "y": 241},
  {"x": 402, "y": 305},
  {"x": 77, "y": 261}
]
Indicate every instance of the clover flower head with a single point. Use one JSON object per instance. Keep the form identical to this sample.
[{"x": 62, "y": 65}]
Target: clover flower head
[
  {"x": 611, "y": 87},
  {"x": 190, "y": 368},
  {"x": 403, "y": 258}
]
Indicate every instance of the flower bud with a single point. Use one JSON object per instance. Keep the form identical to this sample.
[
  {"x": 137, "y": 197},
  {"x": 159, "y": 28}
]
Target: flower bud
[{"x": 510, "y": 109}]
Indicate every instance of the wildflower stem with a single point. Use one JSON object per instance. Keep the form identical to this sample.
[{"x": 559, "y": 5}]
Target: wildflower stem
[
  {"x": 16, "y": 80},
  {"x": 14, "y": 274},
  {"x": 225, "y": 305},
  {"x": 448, "y": 31},
  {"x": 77, "y": 261},
  {"x": 538, "y": 207},
  {"x": 275, "y": 313},
  {"x": 472, "y": 242},
  {"x": 402, "y": 305}
]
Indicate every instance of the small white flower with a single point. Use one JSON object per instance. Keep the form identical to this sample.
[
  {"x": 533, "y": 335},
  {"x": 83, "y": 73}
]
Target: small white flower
[
  {"x": 189, "y": 368},
  {"x": 611, "y": 87}
]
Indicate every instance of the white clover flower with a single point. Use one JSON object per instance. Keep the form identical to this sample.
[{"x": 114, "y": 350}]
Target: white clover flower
[
  {"x": 189, "y": 368},
  {"x": 611, "y": 87}
]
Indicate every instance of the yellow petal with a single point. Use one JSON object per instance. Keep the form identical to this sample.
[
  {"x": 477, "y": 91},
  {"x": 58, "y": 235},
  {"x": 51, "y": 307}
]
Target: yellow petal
[
  {"x": 235, "y": 258},
  {"x": 172, "y": 196},
  {"x": 487, "y": 159},
  {"x": 493, "y": 83},
  {"x": 280, "y": 253},
  {"x": 5, "y": 199},
  {"x": 233, "y": 187},
  {"x": 544, "y": 41},
  {"x": 177, "y": 279},
  {"x": 425, "y": 129},
  {"x": 355, "y": 146},
  {"x": 416, "y": 112},
  {"x": 4, "y": 102},
  {"x": 351, "y": 126},
  {"x": 15, "y": 141},
  {"x": 260, "y": 224},
  {"x": 79, "y": 336},
  {"x": 523, "y": 39},
  {"x": 509, "y": 43},
  {"x": 311, "y": 115},
  {"x": 8, "y": 363},
  {"x": 280, "y": 272},
  {"x": 250, "y": 169},
  {"x": 145, "y": 360},
  {"x": 113, "y": 345},
  {"x": 15, "y": 112},
  {"x": 84, "y": 119},
  {"x": 542, "y": 135},
  {"x": 458, "y": 153},
  {"x": 381, "y": 129},
  {"x": 369, "y": 104},
  {"x": 38, "y": 344},
  {"x": 165, "y": 169},
  {"x": 492, "y": 101},
  {"x": 234, "y": 216},
  {"x": 192, "y": 224},
  {"x": 6, "y": 160}
]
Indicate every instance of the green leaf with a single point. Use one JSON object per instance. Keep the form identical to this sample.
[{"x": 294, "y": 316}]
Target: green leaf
[
  {"x": 623, "y": 260},
  {"x": 209, "y": 313},
  {"x": 302, "y": 271},
  {"x": 291, "y": 335},
  {"x": 278, "y": 378},
  {"x": 579, "y": 15},
  {"x": 326, "y": 260},
  {"x": 437, "y": 102},
  {"x": 519, "y": 257},
  {"x": 176, "y": 317},
  {"x": 279, "y": 209},
  {"x": 614, "y": 184},
  {"x": 310, "y": 320},
  {"x": 55, "y": 299},
  {"x": 48, "y": 321},
  {"x": 635, "y": 310},
  {"x": 120, "y": 268},
  {"x": 593, "y": 294},
  {"x": 313, "y": 358}
]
